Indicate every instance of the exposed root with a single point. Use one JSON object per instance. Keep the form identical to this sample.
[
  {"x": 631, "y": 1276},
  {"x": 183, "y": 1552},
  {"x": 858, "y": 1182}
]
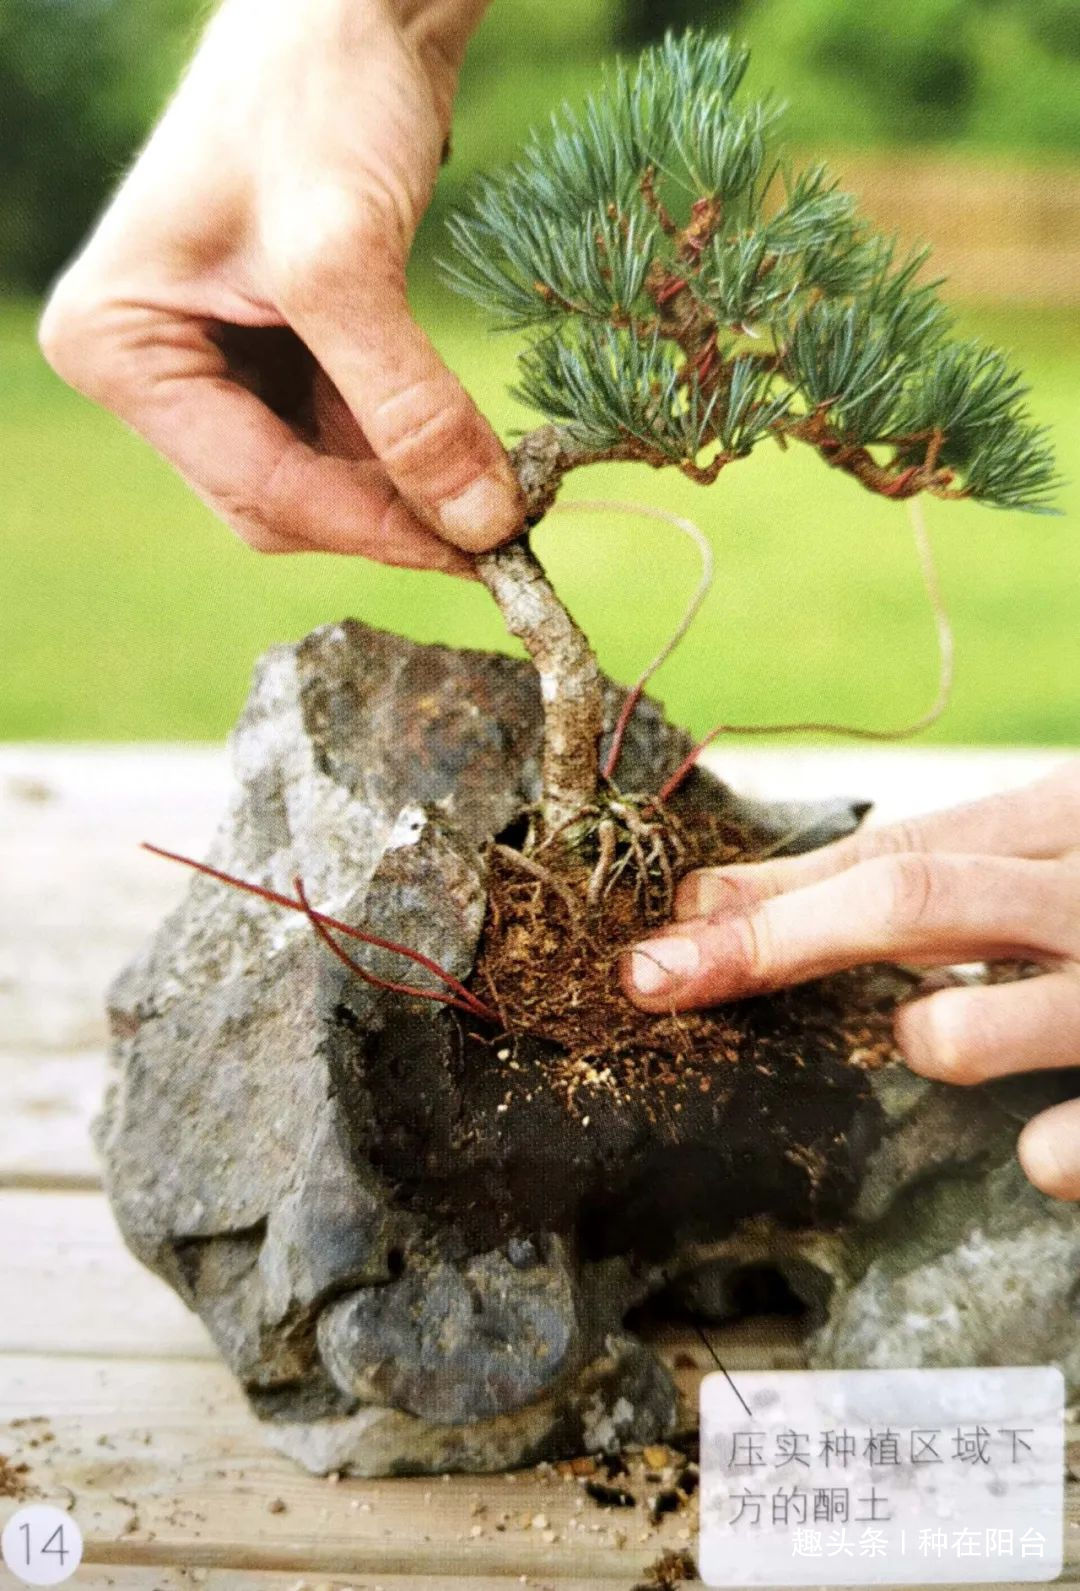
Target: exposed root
[
  {"x": 580, "y": 816},
  {"x": 607, "y": 836},
  {"x": 627, "y": 836},
  {"x": 565, "y": 987},
  {"x": 528, "y": 864}
]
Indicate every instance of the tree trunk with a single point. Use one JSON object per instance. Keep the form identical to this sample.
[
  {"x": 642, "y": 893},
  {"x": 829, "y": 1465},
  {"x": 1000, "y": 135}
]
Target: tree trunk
[
  {"x": 569, "y": 676},
  {"x": 563, "y": 658}
]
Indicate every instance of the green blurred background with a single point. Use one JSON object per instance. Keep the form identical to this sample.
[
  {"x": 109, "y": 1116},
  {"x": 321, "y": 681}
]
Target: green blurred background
[{"x": 126, "y": 612}]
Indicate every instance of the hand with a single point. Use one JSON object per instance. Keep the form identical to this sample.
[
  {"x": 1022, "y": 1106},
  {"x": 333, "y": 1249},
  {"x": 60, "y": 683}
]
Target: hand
[
  {"x": 242, "y": 302},
  {"x": 996, "y": 879}
]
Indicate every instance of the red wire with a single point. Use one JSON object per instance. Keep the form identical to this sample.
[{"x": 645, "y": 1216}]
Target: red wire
[{"x": 465, "y": 995}]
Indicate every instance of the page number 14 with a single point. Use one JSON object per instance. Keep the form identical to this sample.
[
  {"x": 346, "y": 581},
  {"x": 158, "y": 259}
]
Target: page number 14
[{"x": 41, "y": 1545}]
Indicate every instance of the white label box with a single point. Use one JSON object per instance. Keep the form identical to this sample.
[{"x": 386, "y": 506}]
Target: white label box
[{"x": 882, "y": 1477}]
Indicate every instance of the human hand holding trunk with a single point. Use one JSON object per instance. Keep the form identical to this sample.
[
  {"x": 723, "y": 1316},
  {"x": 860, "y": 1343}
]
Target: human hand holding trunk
[
  {"x": 242, "y": 302},
  {"x": 995, "y": 879}
]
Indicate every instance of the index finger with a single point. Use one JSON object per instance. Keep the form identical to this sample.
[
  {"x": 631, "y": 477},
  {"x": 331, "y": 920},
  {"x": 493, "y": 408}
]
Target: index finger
[
  {"x": 913, "y": 907},
  {"x": 426, "y": 431},
  {"x": 163, "y": 374},
  {"x": 1038, "y": 821}
]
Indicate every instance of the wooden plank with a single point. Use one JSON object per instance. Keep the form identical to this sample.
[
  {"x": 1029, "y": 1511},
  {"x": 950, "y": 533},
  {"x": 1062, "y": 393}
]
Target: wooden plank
[
  {"x": 53, "y": 986},
  {"x": 126, "y": 1577},
  {"x": 901, "y": 781},
  {"x": 162, "y": 1464},
  {"x": 79, "y": 896},
  {"x": 166, "y": 1464},
  {"x": 49, "y": 1103},
  {"x": 71, "y": 1287},
  {"x": 1001, "y": 234},
  {"x": 116, "y": 783},
  {"x": 71, "y": 818}
]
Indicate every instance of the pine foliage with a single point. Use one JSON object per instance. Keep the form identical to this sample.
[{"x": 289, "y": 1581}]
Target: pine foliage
[{"x": 687, "y": 296}]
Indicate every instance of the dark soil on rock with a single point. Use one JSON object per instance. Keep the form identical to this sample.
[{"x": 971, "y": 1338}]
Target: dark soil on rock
[
  {"x": 549, "y": 964},
  {"x": 586, "y": 1116}
]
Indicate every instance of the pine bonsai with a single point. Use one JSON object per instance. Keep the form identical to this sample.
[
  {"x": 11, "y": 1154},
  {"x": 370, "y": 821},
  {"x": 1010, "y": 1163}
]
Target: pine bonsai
[
  {"x": 686, "y": 297},
  {"x": 492, "y": 1089}
]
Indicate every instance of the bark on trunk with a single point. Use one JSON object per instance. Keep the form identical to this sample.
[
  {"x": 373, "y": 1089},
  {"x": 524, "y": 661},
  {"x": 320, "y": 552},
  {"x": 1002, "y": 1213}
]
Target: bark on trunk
[
  {"x": 569, "y": 677},
  {"x": 563, "y": 658}
]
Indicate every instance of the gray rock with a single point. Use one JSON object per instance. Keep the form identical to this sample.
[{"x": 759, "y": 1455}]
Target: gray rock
[
  {"x": 623, "y": 1396},
  {"x": 975, "y": 1267},
  {"x": 405, "y": 1278},
  {"x": 455, "y": 1342}
]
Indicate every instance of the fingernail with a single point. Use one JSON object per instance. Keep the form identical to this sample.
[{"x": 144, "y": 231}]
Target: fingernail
[
  {"x": 658, "y": 963},
  {"x": 484, "y": 513}
]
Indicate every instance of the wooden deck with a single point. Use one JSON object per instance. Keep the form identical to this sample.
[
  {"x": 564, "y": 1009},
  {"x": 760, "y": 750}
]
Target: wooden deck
[{"x": 110, "y": 1391}]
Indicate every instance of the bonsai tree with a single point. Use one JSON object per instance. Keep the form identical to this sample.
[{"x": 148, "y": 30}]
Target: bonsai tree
[
  {"x": 687, "y": 297},
  {"x": 508, "y": 1155}
]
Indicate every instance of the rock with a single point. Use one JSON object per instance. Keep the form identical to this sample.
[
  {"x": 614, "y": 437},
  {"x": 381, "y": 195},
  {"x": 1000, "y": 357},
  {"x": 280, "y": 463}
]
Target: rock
[
  {"x": 623, "y": 1396},
  {"x": 403, "y": 1275},
  {"x": 453, "y": 1342},
  {"x": 972, "y": 1261}
]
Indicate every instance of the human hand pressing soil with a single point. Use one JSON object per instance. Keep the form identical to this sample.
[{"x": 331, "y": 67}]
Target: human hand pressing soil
[
  {"x": 242, "y": 302},
  {"x": 996, "y": 879}
]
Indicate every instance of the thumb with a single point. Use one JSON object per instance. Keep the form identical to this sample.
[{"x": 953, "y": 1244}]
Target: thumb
[{"x": 419, "y": 421}]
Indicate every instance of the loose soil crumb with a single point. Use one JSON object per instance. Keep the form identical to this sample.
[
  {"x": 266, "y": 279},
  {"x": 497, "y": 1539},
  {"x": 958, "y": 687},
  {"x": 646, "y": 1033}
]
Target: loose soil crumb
[
  {"x": 609, "y": 1496},
  {"x": 13, "y": 1481},
  {"x": 671, "y": 1570}
]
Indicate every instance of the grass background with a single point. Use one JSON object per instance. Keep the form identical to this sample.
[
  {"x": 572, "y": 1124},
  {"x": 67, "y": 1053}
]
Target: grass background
[{"x": 128, "y": 612}]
